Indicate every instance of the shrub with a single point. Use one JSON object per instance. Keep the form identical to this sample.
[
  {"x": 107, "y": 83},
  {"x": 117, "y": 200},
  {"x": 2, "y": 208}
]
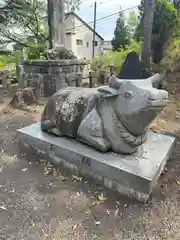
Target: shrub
[
  {"x": 115, "y": 58},
  {"x": 5, "y": 61},
  {"x": 35, "y": 50},
  {"x": 171, "y": 59}
]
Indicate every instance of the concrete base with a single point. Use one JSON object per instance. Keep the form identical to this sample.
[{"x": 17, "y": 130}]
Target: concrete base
[{"x": 134, "y": 175}]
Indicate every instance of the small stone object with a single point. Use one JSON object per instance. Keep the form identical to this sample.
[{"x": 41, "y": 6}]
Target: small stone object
[
  {"x": 132, "y": 68},
  {"x": 34, "y": 81},
  {"x": 23, "y": 96},
  {"x": 28, "y": 95},
  {"x": 114, "y": 117},
  {"x": 60, "y": 52}
]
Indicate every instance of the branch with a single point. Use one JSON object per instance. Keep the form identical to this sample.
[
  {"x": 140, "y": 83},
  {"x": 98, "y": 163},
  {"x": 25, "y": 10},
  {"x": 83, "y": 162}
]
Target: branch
[{"x": 13, "y": 39}]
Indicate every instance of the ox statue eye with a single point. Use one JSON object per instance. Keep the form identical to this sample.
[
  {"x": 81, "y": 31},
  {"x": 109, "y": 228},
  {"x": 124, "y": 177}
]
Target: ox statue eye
[{"x": 127, "y": 94}]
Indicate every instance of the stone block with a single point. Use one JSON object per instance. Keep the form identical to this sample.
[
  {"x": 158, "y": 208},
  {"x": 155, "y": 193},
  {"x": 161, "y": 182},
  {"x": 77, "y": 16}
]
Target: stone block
[
  {"x": 55, "y": 71},
  {"x": 131, "y": 175}
]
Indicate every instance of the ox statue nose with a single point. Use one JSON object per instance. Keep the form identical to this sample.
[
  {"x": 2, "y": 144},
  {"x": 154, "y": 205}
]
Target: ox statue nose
[{"x": 158, "y": 98}]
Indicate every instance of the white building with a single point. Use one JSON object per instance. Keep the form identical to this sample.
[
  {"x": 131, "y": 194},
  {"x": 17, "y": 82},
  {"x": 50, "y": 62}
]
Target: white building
[{"x": 79, "y": 37}]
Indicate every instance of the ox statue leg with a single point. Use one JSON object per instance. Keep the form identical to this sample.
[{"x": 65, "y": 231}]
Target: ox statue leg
[
  {"x": 48, "y": 121},
  {"x": 49, "y": 127},
  {"x": 91, "y": 132}
]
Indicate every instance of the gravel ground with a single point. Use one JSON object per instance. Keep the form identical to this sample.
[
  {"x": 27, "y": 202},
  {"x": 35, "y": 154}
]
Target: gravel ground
[{"x": 59, "y": 206}]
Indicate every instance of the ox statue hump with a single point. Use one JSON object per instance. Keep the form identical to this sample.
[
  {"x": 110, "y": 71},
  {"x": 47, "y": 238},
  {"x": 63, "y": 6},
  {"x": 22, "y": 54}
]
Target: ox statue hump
[{"x": 108, "y": 118}]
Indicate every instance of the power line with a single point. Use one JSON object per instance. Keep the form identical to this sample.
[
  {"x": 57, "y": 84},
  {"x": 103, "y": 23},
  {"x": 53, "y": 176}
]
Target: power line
[
  {"x": 98, "y": 24},
  {"x": 105, "y": 17}
]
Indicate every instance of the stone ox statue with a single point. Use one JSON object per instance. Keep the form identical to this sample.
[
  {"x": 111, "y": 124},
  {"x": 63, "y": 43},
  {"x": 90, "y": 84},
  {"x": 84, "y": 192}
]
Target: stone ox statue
[{"x": 108, "y": 118}]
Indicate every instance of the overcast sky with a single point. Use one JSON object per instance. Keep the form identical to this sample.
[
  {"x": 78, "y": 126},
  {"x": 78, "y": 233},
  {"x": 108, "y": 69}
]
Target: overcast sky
[{"x": 104, "y": 7}]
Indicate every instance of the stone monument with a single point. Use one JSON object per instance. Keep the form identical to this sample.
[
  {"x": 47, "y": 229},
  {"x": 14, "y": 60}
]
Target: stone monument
[
  {"x": 104, "y": 133},
  {"x": 58, "y": 27},
  {"x": 57, "y": 24},
  {"x": 62, "y": 68}
]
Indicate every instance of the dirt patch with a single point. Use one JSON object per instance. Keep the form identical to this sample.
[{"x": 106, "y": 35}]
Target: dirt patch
[{"x": 35, "y": 205}]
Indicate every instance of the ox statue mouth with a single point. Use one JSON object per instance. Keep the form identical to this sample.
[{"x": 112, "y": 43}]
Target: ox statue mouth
[{"x": 157, "y": 103}]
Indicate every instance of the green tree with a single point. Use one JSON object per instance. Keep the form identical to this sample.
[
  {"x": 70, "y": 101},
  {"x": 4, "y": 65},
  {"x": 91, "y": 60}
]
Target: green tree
[
  {"x": 132, "y": 23},
  {"x": 165, "y": 21},
  {"x": 21, "y": 19},
  {"x": 177, "y": 5},
  {"x": 120, "y": 39},
  {"x": 72, "y": 5}
]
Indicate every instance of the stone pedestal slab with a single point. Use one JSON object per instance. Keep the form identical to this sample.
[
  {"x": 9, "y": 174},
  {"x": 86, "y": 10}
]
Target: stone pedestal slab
[{"x": 131, "y": 175}]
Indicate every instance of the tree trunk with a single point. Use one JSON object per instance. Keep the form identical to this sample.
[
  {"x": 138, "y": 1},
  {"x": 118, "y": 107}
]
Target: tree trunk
[
  {"x": 50, "y": 22},
  {"x": 147, "y": 32}
]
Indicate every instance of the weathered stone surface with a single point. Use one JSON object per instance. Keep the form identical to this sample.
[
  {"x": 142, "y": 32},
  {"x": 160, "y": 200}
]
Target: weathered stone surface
[
  {"x": 114, "y": 117},
  {"x": 132, "y": 68},
  {"x": 56, "y": 74},
  {"x": 57, "y": 23},
  {"x": 26, "y": 95},
  {"x": 60, "y": 52},
  {"x": 132, "y": 175}
]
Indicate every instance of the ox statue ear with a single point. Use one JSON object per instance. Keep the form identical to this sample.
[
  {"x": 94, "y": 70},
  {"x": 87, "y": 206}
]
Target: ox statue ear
[
  {"x": 114, "y": 82},
  {"x": 107, "y": 91},
  {"x": 156, "y": 79}
]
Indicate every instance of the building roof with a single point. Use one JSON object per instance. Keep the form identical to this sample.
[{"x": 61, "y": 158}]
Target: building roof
[{"x": 83, "y": 22}]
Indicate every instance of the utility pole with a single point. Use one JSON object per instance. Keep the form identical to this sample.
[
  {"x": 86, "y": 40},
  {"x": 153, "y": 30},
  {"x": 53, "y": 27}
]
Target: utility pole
[
  {"x": 147, "y": 32},
  {"x": 94, "y": 29}
]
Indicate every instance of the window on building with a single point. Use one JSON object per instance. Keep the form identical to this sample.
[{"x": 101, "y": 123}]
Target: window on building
[
  {"x": 79, "y": 42},
  {"x": 95, "y": 43},
  {"x": 87, "y": 44}
]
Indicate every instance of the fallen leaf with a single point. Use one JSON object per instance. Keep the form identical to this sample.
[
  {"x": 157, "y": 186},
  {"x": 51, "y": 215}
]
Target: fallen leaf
[
  {"x": 78, "y": 194},
  {"x": 62, "y": 178},
  {"x": 3, "y": 207},
  {"x": 1, "y": 169},
  {"x": 97, "y": 222},
  {"x": 48, "y": 170},
  {"x": 108, "y": 212},
  {"x": 116, "y": 212},
  {"x": 100, "y": 201},
  {"x": 42, "y": 160},
  {"x": 74, "y": 227},
  {"x": 77, "y": 178},
  {"x": 24, "y": 169},
  {"x": 102, "y": 198},
  {"x": 125, "y": 205},
  {"x": 94, "y": 203},
  {"x": 12, "y": 191},
  {"x": 178, "y": 182}
]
